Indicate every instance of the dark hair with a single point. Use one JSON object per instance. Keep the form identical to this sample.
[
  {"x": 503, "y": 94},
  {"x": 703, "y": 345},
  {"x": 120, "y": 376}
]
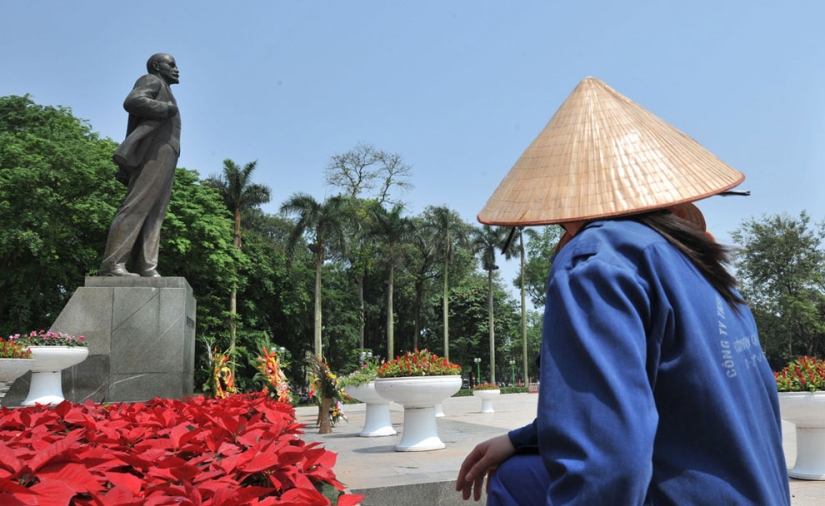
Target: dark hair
[{"x": 706, "y": 254}]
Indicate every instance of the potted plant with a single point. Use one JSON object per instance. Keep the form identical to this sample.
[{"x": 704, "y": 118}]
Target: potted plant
[
  {"x": 418, "y": 380},
  {"x": 360, "y": 385},
  {"x": 52, "y": 352},
  {"x": 802, "y": 402},
  {"x": 486, "y": 392},
  {"x": 15, "y": 361}
]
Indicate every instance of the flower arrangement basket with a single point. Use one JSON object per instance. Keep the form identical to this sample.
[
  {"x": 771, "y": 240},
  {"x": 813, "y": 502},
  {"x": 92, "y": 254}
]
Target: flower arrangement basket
[
  {"x": 325, "y": 386},
  {"x": 801, "y": 375},
  {"x": 14, "y": 350},
  {"x": 221, "y": 381},
  {"x": 418, "y": 363},
  {"x": 365, "y": 374},
  {"x": 48, "y": 338},
  {"x": 270, "y": 368},
  {"x": 801, "y": 386}
]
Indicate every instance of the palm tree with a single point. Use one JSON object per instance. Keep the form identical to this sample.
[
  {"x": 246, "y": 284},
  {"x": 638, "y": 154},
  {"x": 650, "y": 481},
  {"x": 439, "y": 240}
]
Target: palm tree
[
  {"x": 510, "y": 252},
  {"x": 239, "y": 194},
  {"x": 425, "y": 245},
  {"x": 357, "y": 249},
  {"x": 450, "y": 232},
  {"x": 325, "y": 220},
  {"x": 486, "y": 240},
  {"x": 391, "y": 229}
]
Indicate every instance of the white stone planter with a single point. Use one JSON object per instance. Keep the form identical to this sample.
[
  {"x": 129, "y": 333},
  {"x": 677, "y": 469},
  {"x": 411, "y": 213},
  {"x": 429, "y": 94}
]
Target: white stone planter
[
  {"x": 419, "y": 395},
  {"x": 377, "y": 420},
  {"x": 46, "y": 385},
  {"x": 806, "y": 410},
  {"x": 486, "y": 397},
  {"x": 10, "y": 370}
]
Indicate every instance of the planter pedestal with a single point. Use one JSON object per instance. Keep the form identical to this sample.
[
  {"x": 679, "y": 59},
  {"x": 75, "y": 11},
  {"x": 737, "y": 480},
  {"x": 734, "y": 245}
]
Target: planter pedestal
[
  {"x": 46, "y": 382},
  {"x": 377, "y": 420},
  {"x": 10, "y": 370},
  {"x": 419, "y": 395},
  {"x": 486, "y": 397},
  {"x": 806, "y": 410},
  {"x": 810, "y": 454},
  {"x": 439, "y": 410}
]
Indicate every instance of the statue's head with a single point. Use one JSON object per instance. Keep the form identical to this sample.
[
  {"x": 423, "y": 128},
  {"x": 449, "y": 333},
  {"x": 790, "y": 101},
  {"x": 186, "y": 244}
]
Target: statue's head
[{"x": 163, "y": 65}]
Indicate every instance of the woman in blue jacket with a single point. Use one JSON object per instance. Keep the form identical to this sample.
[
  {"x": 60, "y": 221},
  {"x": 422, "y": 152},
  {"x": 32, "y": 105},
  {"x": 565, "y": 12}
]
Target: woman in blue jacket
[{"x": 654, "y": 388}]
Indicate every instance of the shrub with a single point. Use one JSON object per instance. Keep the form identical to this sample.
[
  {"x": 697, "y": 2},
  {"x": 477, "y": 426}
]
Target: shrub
[{"x": 242, "y": 450}]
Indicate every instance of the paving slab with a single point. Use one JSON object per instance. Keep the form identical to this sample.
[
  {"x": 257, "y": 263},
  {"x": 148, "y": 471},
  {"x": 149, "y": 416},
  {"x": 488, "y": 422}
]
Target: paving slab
[{"x": 371, "y": 466}]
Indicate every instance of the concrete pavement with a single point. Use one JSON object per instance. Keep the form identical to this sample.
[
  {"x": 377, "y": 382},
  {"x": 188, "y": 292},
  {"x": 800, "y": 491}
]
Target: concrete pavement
[{"x": 372, "y": 467}]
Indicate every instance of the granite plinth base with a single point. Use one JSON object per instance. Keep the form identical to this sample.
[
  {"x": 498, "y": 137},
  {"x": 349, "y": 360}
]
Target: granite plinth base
[{"x": 141, "y": 334}]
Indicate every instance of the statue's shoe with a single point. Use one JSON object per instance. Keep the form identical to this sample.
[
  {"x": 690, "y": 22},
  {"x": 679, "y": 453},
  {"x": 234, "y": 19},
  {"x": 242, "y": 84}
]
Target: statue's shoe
[
  {"x": 150, "y": 274},
  {"x": 120, "y": 272}
]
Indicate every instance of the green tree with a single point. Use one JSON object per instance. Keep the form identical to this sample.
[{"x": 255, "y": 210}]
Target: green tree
[
  {"x": 341, "y": 317},
  {"x": 535, "y": 261},
  {"x": 324, "y": 221},
  {"x": 469, "y": 317},
  {"x": 534, "y": 330},
  {"x": 275, "y": 298},
  {"x": 516, "y": 250},
  {"x": 450, "y": 232},
  {"x": 487, "y": 240},
  {"x": 540, "y": 247},
  {"x": 780, "y": 266},
  {"x": 358, "y": 250},
  {"x": 391, "y": 229},
  {"x": 57, "y": 198},
  {"x": 195, "y": 244},
  {"x": 424, "y": 257},
  {"x": 239, "y": 194}
]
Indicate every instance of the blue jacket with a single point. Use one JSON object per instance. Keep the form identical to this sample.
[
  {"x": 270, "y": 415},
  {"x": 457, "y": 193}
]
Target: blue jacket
[{"x": 653, "y": 389}]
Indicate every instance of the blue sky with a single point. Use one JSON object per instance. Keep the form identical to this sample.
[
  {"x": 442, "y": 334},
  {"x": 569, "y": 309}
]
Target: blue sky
[{"x": 458, "y": 88}]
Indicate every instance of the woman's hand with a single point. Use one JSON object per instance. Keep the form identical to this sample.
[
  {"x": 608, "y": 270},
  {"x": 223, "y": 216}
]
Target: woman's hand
[{"x": 482, "y": 461}]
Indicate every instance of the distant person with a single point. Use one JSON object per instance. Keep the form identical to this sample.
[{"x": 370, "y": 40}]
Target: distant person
[
  {"x": 654, "y": 388},
  {"x": 147, "y": 160}
]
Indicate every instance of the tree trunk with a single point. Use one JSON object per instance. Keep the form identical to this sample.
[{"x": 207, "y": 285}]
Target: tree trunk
[
  {"x": 446, "y": 307},
  {"x": 319, "y": 264},
  {"x": 390, "y": 335},
  {"x": 325, "y": 425},
  {"x": 237, "y": 239},
  {"x": 523, "y": 305},
  {"x": 419, "y": 295},
  {"x": 233, "y": 297},
  {"x": 361, "y": 316},
  {"x": 233, "y": 310},
  {"x": 492, "y": 327}
]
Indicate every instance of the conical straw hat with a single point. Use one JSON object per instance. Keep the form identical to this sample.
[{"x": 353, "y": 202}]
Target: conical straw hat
[{"x": 603, "y": 155}]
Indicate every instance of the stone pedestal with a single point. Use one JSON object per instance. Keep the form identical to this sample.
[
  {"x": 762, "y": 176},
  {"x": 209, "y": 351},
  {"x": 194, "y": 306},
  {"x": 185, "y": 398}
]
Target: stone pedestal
[{"x": 141, "y": 334}]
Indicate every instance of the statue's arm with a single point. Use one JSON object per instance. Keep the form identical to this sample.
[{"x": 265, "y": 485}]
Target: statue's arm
[{"x": 141, "y": 100}]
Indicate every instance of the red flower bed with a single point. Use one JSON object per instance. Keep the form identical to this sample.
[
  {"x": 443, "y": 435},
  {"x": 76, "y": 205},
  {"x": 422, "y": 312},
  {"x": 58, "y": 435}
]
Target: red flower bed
[{"x": 243, "y": 450}]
